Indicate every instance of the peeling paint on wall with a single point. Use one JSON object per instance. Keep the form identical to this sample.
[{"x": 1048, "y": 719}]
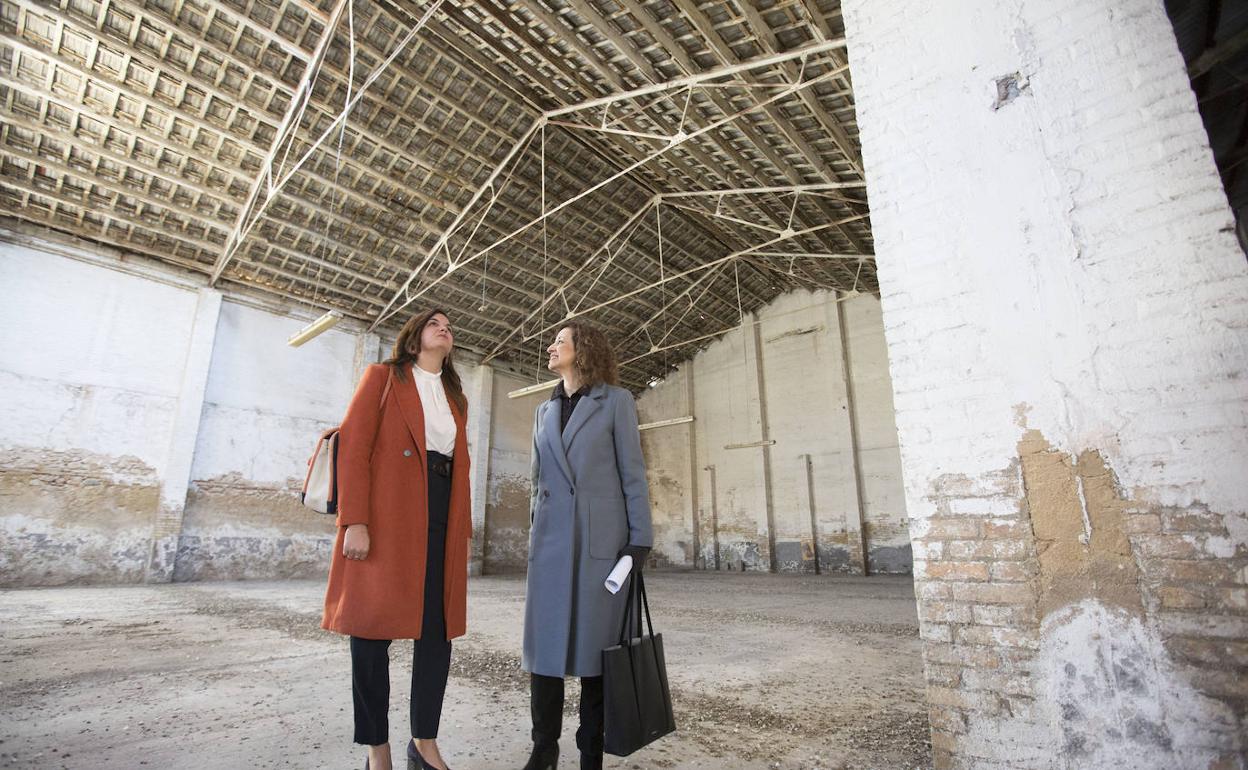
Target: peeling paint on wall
[
  {"x": 507, "y": 524},
  {"x": 1116, "y": 699},
  {"x": 1078, "y": 520},
  {"x": 890, "y": 560},
  {"x": 234, "y": 529},
  {"x": 70, "y": 517},
  {"x": 1076, "y": 625}
]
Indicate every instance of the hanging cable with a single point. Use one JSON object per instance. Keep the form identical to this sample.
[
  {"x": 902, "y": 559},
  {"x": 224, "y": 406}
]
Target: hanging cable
[{"x": 545, "y": 284}]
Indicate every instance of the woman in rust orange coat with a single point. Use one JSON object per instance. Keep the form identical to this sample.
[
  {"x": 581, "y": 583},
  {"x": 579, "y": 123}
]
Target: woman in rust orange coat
[{"x": 400, "y": 563}]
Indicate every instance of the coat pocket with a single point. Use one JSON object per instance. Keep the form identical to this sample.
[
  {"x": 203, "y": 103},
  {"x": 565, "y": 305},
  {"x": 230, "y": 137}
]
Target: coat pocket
[{"x": 608, "y": 527}]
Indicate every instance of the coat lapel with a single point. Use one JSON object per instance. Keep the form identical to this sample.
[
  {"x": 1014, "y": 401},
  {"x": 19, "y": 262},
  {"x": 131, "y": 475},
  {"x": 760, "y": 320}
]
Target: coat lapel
[
  {"x": 550, "y": 427},
  {"x": 585, "y": 408},
  {"x": 413, "y": 413}
]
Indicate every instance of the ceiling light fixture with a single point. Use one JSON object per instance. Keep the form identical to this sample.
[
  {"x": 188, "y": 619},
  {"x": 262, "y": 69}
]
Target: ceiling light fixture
[
  {"x": 538, "y": 388},
  {"x": 318, "y": 326}
]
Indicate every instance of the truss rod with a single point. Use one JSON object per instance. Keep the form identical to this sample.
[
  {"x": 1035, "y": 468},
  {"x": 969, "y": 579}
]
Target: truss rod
[
  {"x": 299, "y": 100},
  {"x": 709, "y": 278},
  {"x": 442, "y": 239},
  {"x": 675, "y": 142},
  {"x": 726, "y": 218},
  {"x": 559, "y": 291},
  {"x": 616, "y": 131},
  {"x": 813, "y": 255},
  {"x": 791, "y": 188},
  {"x": 705, "y": 266},
  {"x": 251, "y": 209},
  {"x": 843, "y": 297},
  {"x": 690, "y": 80}
]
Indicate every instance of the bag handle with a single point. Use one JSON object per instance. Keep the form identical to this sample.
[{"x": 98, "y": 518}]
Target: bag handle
[
  {"x": 636, "y": 597},
  {"x": 644, "y": 600},
  {"x": 630, "y": 598}
]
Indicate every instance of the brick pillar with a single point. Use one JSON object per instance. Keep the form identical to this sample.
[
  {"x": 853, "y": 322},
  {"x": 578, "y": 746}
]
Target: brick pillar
[
  {"x": 1066, "y": 311},
  {"x": 176, "y": 479}
]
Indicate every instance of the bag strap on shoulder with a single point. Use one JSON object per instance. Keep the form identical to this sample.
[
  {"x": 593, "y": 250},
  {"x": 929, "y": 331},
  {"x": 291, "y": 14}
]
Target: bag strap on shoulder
[{"x": 386, "y": 391}]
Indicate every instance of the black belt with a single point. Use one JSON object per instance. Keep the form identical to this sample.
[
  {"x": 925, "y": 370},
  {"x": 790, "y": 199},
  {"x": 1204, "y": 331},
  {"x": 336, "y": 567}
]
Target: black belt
[{"x": 440, "y": 463}]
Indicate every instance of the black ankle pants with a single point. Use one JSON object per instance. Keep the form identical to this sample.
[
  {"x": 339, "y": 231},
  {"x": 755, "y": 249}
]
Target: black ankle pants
[{"x": 431, "y": 654}]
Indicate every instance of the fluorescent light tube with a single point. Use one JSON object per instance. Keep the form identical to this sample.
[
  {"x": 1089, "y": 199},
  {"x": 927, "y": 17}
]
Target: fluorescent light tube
[
  {"x": 664, "y": 423},
  {"x": 538, "y": 388},
  {"x": 313, "y": 329}
]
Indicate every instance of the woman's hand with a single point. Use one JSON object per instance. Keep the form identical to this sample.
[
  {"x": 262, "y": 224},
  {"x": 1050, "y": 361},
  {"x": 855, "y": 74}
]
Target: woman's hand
[
  {"x": 355, "y": 542},
  {"x": 637, "y": 552}
]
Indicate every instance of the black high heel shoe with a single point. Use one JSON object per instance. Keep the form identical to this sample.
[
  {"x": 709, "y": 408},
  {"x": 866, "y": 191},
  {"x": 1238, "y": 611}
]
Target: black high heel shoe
[
  {"x": 415, "y": 761},
  {"x": 543, "y": 758}
]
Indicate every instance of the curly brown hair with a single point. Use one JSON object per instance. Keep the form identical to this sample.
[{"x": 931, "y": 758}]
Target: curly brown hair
[
  {"x": 407, "y": 349},
  {"x": 595, "y": 359}
]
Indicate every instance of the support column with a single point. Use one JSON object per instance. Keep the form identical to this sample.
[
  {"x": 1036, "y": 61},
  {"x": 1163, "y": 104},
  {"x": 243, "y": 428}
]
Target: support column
[
  {"x": 694, "y": 502},
  {"x": 1066, "y": 310},
  {"x": 855, "y": 507},
  {"x": 175, "y": 482},
  {"x": 754, "y": 352},
  {"x": 367, "y": 352},
  {"x": 480, "y": 423}
]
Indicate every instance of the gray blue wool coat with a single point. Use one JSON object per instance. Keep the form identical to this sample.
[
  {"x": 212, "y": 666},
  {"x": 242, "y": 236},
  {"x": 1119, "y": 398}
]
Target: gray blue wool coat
[{"x": 589, "y": 499}]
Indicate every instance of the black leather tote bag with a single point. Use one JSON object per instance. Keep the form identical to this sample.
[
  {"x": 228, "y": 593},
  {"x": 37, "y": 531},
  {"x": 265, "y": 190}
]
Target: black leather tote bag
[{"x": 637, "y": 701}]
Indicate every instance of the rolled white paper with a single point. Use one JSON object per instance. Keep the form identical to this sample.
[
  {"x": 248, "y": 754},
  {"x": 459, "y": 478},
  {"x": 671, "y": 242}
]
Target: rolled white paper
[{"x": 619, "y": 574}]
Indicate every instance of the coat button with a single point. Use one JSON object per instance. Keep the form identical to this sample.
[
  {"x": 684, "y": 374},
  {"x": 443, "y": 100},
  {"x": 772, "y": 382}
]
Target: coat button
[
  {"x": 407, "y": 453},
  {"x": 546, "y": 493},
  {"x": 571, "y": 491}
]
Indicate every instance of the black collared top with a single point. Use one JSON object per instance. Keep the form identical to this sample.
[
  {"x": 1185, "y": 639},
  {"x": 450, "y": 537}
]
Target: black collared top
[{"x": 567, "y": 403}]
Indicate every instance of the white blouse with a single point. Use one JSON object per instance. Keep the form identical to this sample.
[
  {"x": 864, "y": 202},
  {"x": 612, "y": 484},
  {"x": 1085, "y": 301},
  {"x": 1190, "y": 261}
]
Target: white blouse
[{"x": 439, "y": 421}]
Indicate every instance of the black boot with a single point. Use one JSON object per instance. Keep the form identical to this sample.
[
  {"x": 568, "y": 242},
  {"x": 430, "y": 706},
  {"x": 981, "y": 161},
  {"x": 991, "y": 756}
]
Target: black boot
[
  {"x": 545, "y": 757},
  {"x": 591, "y": 761},
  {"x": 589, "y": 735},
  {"x": 546, "y": 704}
]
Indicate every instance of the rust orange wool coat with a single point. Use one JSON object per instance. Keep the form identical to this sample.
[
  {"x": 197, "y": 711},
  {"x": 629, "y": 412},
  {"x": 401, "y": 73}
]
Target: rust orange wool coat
[{"x": 382, "y": 482}]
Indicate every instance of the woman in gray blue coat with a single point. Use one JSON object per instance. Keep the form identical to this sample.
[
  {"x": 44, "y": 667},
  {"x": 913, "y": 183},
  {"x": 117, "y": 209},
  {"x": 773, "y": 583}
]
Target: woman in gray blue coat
[{"x": 590, "y": 505}]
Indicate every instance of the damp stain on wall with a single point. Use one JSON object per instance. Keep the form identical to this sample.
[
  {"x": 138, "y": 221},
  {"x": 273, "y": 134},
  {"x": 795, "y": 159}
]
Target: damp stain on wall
[
  {"x": 74, "y": 517},
  {"x": 507, "y": 524}
]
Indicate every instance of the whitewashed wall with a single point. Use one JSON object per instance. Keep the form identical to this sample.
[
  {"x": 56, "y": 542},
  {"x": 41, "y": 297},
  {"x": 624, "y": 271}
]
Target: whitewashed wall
[
  {"x": 103, "y": 480},
  {"x": 264, "y": 405},
  {"x": 99, "y": 474},
  {"x": 510, "y": 453},
  {"x": 803, "y": 405},
  {"x": 91, "y": 363}
]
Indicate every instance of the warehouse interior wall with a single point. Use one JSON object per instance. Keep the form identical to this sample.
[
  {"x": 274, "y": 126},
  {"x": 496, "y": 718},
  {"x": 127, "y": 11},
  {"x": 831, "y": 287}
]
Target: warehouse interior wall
[
  {"x": 155, "y": 430},
  {"x": 791, "y": 462}
]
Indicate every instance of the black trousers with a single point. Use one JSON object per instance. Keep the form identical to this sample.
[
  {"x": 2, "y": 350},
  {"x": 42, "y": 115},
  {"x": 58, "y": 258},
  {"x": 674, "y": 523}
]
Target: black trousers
[
  {"x": 431, "y": 654},
  {"x": 546, "y": 704}
]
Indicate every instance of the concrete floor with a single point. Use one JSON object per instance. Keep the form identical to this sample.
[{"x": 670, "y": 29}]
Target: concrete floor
[{"x": 767, "y": 672}]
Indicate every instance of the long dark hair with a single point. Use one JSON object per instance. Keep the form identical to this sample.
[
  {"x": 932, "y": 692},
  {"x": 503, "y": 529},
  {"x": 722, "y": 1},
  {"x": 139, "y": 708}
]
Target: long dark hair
[
  {"x": 594, "y": 357},
  {"x": 407, "y": 349}
]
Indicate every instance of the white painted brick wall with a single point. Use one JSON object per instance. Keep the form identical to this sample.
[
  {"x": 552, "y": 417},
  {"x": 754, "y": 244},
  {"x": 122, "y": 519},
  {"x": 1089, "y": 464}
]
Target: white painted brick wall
[
  {"x": 66, "y": 384},
  {"x": 265, "y": 398}
]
